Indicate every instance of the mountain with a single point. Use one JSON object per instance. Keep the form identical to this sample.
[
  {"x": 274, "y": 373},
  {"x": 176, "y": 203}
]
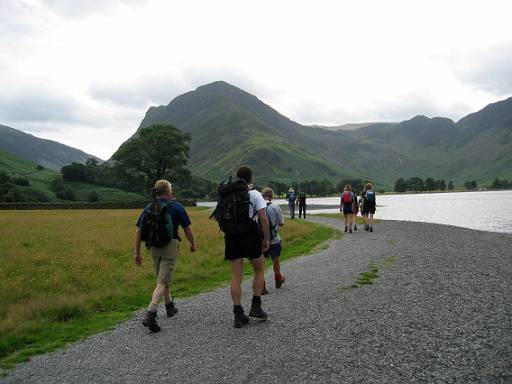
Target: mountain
[
  {"x": 47, "y": 153},
  {"x": 230, "y": 126}
]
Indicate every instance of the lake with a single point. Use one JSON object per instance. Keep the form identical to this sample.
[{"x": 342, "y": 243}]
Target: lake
[{"x": 486, "y": 211}]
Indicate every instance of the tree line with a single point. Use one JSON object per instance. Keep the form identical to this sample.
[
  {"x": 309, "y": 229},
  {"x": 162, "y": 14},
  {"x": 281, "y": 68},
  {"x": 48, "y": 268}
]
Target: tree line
[
  {"x": 417, "y": 184},
  {"x": 501, "y": 184}
]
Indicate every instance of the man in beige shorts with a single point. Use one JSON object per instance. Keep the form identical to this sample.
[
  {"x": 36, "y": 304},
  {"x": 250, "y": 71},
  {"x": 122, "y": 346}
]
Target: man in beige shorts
[{"x": 164, "y": 252}]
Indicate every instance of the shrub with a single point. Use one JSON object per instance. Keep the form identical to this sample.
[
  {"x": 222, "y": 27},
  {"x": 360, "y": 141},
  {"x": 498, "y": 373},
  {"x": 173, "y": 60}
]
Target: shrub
[
  {"x": 40, "y": 167},
  {"x": 93, "y": 197},
  {"x": 21, "y": 181},
  {"x": 66, "y": 194}
]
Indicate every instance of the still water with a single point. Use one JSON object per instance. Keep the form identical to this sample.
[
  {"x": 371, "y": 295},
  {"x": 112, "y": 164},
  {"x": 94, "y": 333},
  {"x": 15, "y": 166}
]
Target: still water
[{"x": 486, "y": 211}]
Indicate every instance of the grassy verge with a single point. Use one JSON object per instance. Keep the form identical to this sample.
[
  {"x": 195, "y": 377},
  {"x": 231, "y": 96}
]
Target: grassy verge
[
  {"x": 368, "y": 277},
  {"x": 65, "y": 275}
]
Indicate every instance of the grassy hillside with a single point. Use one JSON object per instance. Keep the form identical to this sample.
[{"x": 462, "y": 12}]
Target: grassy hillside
[
  {"x": 48, "y": 153},
  {"x": 230, "y": 127},
  {"x": 15, "y": 166}
]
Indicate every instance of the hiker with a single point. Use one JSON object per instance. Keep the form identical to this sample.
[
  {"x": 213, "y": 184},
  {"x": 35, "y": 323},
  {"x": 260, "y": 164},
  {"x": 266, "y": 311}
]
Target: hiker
[
  {"x": 301, "y": 200},
  {"x": 158, "y": 227},
  {"x": 238, "y": 211},
  {"x": 369, "y": 205},
  {"x": 275, "y": 220},
  {"x": 347, "y": 207},
  {"x": 291, "y": 197}
]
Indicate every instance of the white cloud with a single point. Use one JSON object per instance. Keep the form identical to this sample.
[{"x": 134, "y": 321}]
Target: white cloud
[{"x": 86, "y": 71}]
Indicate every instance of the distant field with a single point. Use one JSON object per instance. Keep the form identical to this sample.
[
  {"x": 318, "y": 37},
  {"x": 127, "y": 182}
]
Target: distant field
[
  {"x": 68, "y": 274},
  {"x": 18, "y": 167}
]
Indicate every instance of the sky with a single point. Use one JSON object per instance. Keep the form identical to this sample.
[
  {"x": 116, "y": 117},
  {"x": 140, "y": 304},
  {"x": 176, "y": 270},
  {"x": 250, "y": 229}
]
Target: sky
[{"x": 84, "y": 72}]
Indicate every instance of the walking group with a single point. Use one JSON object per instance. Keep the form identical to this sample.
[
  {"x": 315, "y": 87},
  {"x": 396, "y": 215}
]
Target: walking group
[
  {"x": 250, "y": 223},
  {"x": 296, "y": 199},
  {"x": 351, "y": 204}
]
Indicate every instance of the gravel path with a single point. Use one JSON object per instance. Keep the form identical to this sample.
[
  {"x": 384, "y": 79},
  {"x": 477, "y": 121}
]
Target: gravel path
[{"x": 441, "y": 314}]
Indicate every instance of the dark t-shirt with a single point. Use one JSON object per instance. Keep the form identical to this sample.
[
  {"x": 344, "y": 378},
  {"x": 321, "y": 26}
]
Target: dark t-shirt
[
  {"x": 302, "y": 198},
  {"x": 178, "y": 215}
]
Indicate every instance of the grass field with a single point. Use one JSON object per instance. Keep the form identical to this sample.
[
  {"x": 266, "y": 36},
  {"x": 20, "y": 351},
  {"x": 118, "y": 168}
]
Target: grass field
[{"x": 67, "y": 274}]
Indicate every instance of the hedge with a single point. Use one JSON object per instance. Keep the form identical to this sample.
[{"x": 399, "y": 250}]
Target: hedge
[{"x": 85, "y": 205}]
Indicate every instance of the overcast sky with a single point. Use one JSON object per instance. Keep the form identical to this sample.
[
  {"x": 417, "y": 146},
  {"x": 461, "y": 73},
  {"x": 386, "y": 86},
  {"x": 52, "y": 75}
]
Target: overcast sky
[{"x": 83, "y": 72}]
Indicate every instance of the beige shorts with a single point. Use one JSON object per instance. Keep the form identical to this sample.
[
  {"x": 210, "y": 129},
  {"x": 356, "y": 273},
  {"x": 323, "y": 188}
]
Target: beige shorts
[{"x": 163, "y": 261}]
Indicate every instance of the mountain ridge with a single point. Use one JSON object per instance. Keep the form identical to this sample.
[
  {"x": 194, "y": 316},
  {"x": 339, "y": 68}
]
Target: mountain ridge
[
  {"x": 221, "y": 117},
  {"x": 48, "y": 153}
]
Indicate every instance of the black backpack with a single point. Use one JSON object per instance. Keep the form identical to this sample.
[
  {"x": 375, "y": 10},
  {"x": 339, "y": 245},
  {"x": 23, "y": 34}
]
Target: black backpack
[
  {"x": 233, "y": 208},
  {"x": 156, "y": 228}
]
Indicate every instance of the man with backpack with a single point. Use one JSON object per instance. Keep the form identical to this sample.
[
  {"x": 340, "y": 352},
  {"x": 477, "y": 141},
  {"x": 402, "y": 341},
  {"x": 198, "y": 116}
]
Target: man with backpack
[
  {"x": 239, "y": 210},
  {"x": 157, "y": 226},
  {"x": 301, "y": 200},
  {"x": 291, "y": 197},
  {"x": 275, "y": 220}
]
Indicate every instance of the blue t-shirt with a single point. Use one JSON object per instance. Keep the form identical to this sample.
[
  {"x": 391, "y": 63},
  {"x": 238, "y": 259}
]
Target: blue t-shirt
[{"x": 178, "y": 215}]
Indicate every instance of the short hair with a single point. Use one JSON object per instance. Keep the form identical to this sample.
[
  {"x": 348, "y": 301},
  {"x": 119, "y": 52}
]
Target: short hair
[
  {"x": 368, "y": 186},
  {"x": 244, "y": 172},
  {"x": 267, "y": 191},
  {"x": 162, "y": 186},
  {"x": 347, "y": 188}
]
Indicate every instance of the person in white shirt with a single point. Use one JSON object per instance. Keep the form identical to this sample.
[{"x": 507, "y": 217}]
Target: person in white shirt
[{"x": 251, "y": 244}]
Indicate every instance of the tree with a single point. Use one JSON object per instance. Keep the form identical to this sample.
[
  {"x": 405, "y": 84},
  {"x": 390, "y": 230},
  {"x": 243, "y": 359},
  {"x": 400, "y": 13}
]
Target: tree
[
  {"x": 160, "y": 151},
  {"x": 470, "y": 185},
  {"x": 451, "y": 187},
  {"x": 416, "y": 184},
  {"x": 400, "y": 185},
  {"x": 74, "y": 172},
  {"x": 430, "y": 184},
  {"x": 442, "y": 185}
]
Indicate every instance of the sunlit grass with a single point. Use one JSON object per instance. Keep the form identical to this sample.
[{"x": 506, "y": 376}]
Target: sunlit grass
[{"x": 67, "y": 274}]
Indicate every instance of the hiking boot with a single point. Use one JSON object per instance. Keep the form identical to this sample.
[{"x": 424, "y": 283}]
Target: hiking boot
[
  {"x": 264, "y": 290},
  {"x": 371, "y": 229},
  {"x": 257, "y": 312},
  {"x": 346, "y": 229},
  {"x": 170, "y": 309},
  {"x": 355, "y": 227},
  {"x": 366, "y": 227},
  {"x": 350, "y": 230},
  {"x": 280, "y": 281},
  {"x": 240, "y": 320},
  {"x": 150, "y": 321}
]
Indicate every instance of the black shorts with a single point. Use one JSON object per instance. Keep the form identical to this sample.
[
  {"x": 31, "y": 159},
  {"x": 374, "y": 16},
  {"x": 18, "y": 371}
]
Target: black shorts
[
  {"x": 368, "y": 209},
  {"x": 245, "y": 245}
]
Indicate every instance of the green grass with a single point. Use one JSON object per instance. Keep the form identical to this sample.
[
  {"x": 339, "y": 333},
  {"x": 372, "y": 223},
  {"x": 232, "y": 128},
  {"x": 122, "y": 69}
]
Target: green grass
[
  {"x": 65, "y": 275},
  {"x": 369, "y": 276},
  {"x": 18, "y": 167}
]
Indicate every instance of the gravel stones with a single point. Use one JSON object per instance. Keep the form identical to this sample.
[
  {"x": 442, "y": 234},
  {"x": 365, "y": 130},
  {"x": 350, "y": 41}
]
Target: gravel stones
[{"x": 442, "y": 313}]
